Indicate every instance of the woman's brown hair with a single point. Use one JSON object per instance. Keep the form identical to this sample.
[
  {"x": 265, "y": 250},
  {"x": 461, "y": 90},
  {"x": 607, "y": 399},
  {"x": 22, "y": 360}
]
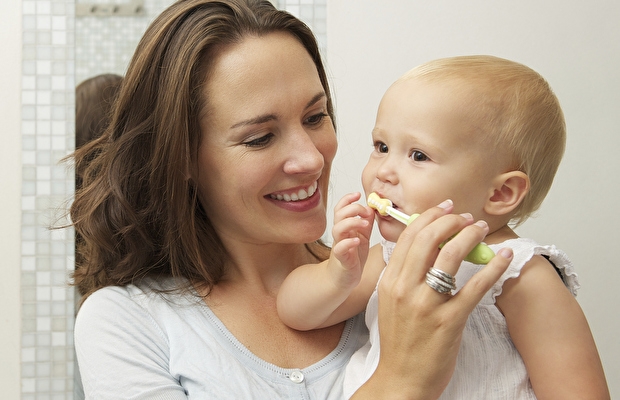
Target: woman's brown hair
[{"x": 138, "y": 211}]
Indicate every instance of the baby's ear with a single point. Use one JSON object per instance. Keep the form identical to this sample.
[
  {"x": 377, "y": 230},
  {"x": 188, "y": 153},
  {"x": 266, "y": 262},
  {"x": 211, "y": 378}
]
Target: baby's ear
[{"x": 509, "y": 189}]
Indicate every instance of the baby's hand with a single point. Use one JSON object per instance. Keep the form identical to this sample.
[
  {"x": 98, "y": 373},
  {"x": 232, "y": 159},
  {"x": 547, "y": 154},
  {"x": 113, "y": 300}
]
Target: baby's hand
[{"x": 351, "y": 232}]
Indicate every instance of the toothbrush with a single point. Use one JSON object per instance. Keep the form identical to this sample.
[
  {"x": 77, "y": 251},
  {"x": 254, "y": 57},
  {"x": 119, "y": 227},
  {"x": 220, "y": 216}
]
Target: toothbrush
[{"x": 481, "y": 254}]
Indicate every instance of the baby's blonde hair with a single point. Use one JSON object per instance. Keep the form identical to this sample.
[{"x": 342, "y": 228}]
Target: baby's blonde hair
[{"x": 517, "y": 112}]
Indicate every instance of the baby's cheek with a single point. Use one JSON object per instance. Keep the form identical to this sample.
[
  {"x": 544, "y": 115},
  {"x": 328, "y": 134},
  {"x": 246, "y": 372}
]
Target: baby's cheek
[{"x": 390, "y": 229}]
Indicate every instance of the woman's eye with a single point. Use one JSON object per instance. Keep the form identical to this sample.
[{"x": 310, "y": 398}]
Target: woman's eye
[
  {"x": 417, "y": 155},
  {"x": 381, "y": 147},
  {"x": 316, "y": 119},
  {"x": 259, "y": 142}
]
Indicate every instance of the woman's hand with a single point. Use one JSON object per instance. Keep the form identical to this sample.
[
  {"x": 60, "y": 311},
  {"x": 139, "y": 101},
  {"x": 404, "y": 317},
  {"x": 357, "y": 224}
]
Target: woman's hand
[{"x": 420, "y": 329}]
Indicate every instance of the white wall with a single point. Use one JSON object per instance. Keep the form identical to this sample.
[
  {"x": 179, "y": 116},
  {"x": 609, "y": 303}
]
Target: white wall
[
  {"x": 10, "y": 206},
  {"x": 575, "y": 45}
]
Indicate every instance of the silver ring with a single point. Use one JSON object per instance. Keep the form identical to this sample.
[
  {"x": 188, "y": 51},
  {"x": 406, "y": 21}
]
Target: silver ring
[
  {"x": 437, "y": 287},
  {"x": 444, "y": 276},
  {"x": 438, "y": 283}
]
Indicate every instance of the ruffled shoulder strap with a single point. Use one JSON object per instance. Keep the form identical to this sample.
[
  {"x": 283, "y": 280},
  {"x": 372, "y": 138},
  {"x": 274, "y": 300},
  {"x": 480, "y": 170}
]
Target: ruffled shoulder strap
[{"x": 524, "y": 249}]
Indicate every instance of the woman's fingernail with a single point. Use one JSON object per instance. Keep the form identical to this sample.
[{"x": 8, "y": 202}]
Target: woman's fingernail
[
  {"x": 445, "y": 204},
  {"x": 506, "y": 253},
  {"x": 467, "y": 216},
  {"x": 482, "y": 224}
]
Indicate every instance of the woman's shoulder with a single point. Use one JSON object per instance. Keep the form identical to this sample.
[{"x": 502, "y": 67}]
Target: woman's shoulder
[
  {"x": 155, "y": 301},
  {"x": 107, "y": 299},
  {"x": 147, "y": 290},
  {"x": 125, "y": 338}
]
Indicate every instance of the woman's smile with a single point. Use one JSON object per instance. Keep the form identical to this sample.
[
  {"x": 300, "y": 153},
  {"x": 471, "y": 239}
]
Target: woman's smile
[{"x": 297, "y": 195}]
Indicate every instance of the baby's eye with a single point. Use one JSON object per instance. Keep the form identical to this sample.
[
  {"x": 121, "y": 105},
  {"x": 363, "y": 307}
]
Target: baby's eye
[
  {"x": 381, "y": 147},
  {"x": 417, "y": 155},
  {"x": 260, "y": 142}
]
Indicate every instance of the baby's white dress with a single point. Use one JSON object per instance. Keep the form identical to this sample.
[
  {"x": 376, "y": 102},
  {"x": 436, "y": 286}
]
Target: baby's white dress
[{"x": 488, "y": 365}]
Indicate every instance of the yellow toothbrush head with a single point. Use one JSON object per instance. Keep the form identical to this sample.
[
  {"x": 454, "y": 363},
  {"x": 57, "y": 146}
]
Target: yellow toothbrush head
[{"x": 379, "y": 204}]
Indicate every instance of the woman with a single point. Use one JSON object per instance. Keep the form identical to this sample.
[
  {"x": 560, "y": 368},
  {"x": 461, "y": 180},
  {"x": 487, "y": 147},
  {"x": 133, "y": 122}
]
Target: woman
[{"x": 208, "y": 188}]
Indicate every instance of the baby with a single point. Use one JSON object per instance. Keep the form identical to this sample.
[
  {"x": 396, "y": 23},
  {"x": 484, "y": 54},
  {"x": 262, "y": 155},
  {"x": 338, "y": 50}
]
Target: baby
[{"x": 488, "y": 134}]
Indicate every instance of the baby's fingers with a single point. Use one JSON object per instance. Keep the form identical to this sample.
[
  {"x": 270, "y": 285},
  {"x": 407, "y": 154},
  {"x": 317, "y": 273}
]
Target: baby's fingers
[
  {"x": 346, "y": 252},
  {"x": 347, "y": 199},
  {"x": 345, "y": 249},
  {"x": 347, "y": 208},
  {"x": 350, "y": 228}
]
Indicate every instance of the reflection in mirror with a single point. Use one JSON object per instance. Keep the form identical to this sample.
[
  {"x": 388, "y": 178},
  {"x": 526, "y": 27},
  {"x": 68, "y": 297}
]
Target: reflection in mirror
[
  {"x": 93, "y": 104},
  {"x": 105, "y": 42}
]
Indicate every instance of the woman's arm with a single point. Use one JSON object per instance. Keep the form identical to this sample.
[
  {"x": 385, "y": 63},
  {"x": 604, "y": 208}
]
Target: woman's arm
[
  {"x": 420, "y": 329},
  {"x": 552, "y": 335}
]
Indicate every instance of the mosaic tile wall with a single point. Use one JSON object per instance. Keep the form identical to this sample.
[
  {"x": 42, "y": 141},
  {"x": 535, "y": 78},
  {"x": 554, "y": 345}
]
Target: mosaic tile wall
[
  {"x": 47, "y": 255},
  {"x": 313, "y": 13},
  {"x": 106, "y": 44},
  {"x": 59, "y": 51}
]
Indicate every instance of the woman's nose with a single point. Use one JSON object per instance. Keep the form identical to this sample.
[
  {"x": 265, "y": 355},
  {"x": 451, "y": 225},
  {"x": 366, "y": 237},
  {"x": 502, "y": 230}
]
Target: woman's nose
[{"x": 303, "y": 155}]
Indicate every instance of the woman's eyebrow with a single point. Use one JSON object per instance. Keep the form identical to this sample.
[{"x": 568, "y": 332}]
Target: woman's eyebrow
[
  {"x": 271, "y": 117},
  {"x": 315, "y": 99},
  {"x": 256, "y": 120}
]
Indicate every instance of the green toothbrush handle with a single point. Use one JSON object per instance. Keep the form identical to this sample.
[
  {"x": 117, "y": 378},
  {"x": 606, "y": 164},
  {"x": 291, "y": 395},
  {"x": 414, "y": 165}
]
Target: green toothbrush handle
[{"x": 481, "y": 254}]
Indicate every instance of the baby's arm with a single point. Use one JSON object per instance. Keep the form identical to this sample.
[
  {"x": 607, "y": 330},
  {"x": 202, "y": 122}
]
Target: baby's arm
[
  {"x": 319, "y": 295},
  {"x": 552, "y": 335}
]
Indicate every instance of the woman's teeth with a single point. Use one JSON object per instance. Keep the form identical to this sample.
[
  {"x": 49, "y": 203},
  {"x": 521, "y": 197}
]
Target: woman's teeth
[{"x": 302, "y": 194}]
